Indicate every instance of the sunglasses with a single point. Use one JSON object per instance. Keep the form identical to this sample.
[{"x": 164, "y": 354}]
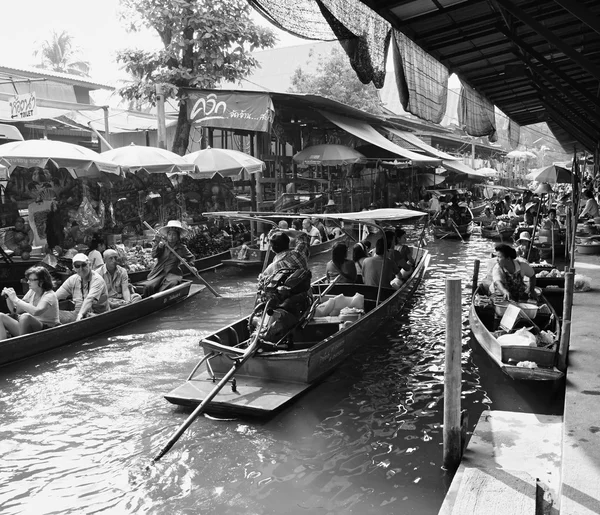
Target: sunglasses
[{"x": 80, "y": 265}]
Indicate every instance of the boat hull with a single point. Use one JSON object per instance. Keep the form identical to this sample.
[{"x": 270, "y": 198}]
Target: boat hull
[
  {"x": 461, "y": 232},
  {"x": 286, "y": 374},
  {"x": 502, "y": 354},
  {"x": 26, "y": 346},
  {"x": 493, "y": 234}
]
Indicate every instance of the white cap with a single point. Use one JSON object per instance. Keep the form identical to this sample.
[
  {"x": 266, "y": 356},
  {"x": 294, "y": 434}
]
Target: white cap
[{"x": 80, "y": 258}]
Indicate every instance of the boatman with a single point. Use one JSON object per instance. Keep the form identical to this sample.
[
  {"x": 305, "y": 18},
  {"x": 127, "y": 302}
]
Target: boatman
[
  {"x": 87, "y": 289},
  {"x": 286, "y": 283},
  {"x": 167, "y": 272}
]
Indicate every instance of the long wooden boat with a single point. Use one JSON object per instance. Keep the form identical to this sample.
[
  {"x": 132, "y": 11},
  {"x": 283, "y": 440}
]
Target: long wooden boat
[
  {"x": 486, "y": 327},
  {"x": 202, "y": 264},
  {"x": 495, "y": 234},
  {"x": 457, "y": 232},
  {"x": 268, "y": 381},
  {"x": 255, "y": 258},
  {"x": 26, "y": 346}
]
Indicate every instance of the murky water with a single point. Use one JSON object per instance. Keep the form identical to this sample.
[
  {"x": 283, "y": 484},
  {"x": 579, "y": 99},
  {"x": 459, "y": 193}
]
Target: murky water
[{"x": 80, "y": 425}]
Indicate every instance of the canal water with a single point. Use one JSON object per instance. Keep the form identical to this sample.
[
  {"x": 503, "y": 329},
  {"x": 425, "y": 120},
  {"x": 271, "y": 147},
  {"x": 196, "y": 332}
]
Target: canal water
[{"x": 80, "y": 425}]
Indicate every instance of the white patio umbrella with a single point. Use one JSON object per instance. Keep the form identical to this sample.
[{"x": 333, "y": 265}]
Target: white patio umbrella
[
  {"x": 225, "y": 162},
  {"x": 80, "y": 161},
  {"x": 152, "y": 159}
]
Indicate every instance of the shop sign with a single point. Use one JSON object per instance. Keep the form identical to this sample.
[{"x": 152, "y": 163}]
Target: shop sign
[
  {"x": 23, "y": 106},
  {"x": 242, "y": 111}
]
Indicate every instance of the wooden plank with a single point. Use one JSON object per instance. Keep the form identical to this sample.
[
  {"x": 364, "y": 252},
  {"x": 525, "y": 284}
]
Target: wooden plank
[{"x": 495, "y": 491}]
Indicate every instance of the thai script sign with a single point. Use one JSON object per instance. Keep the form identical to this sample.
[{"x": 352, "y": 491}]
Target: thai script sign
[
  {"x": 245, "y": 111},
  {"x": 23, "y": 106}
]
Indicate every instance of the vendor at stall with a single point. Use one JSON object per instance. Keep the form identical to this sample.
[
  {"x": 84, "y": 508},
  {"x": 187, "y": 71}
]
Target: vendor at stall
[{"x": 168, "y": 269}]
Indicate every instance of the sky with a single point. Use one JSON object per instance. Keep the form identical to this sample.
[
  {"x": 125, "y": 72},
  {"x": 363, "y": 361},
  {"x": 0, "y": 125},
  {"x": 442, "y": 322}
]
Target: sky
[{"x": 94, "y": 25}]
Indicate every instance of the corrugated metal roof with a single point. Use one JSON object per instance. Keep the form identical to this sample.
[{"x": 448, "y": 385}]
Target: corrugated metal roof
[{"x": 65, "y": 78}]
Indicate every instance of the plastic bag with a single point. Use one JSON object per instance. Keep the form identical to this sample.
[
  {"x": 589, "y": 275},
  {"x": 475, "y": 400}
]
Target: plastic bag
[
  {"x": 87, "y": 218},
  {"x": 521, "y": 337}
]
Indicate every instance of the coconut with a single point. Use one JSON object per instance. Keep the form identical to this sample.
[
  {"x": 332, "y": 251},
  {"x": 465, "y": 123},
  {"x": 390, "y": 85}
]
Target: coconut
[
  {"x": 18, "y": 237},
  {"x": 25, "y": 255}
]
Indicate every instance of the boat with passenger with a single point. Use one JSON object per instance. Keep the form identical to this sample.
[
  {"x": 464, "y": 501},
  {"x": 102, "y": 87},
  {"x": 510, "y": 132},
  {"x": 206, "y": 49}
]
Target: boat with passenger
[{"x": 264, "y": 379}]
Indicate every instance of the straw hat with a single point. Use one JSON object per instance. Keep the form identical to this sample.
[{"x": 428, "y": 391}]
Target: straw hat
[
  {"x": 524, "y": 236},
  {"x": 529, "y": 205},
  {"x": 331, "y": 202},
  {"x": 173, "y": 224}
]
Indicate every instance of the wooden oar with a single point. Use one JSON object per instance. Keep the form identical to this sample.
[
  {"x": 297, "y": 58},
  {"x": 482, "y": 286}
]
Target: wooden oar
[
  {"x": 184, "y": 262},
  {"x": 250, "y": 351},
  {"x": 457, "y": 231}
]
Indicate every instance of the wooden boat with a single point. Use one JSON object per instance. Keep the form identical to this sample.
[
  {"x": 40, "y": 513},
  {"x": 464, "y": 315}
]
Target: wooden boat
[
  {"x": 487, "y": 327},
  {"x": 267, "y": 381},
  {"x": 255, "y": 258},
  {"x": 495, "y": 234},
  {"x": 21, "y": 347},
  {"x": 456, "y": 232},
  {"x": 202, "y": 264}
]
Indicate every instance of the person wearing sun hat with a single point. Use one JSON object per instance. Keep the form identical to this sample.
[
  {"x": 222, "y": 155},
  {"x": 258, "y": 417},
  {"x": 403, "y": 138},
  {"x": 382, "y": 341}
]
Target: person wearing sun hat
[
  {"x": 168, "y": 272},
  {"x": 526, "y": 250},
  {"x": 87, "y": 289}
]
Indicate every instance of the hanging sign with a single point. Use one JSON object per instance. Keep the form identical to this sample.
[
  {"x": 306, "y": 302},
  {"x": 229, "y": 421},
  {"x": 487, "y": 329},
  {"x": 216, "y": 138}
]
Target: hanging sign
[
  {"x": 242, "y": 111},
  {"x": 23, "y": 106}
]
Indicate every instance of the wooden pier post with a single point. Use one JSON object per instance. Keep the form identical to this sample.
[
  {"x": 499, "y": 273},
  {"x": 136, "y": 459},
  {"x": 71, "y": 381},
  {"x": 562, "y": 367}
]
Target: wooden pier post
[
  {"x": 453, "y": 375},
  {"x": 565, "y": 335},
  {"x": 475, "y": 279}
]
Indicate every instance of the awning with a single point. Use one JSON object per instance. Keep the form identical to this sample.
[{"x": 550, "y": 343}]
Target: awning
[
  {"x": 367, "y": 133},
  {"x": 460, "y": 167},
  {"x": 419, "y": 143}
]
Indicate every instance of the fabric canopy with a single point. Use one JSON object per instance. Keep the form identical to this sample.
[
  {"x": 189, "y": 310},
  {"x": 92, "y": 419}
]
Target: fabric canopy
[
  {"x": 360, "y": 216},
  {"x": 367, "y": 133},
  {"x": 414, "y": 140},
  {"x": 460, "y": 167}
]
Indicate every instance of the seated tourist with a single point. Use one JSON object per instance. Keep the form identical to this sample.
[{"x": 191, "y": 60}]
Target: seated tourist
[
  {"x": 379, "y": 267},
  {"x": 360, "y": 252},
  {"x": 117, "y": 281},
  {"x": 313, "y": 233},
  {"x": 37, "y": 310},
  {"x": 340, "y": 266},
  {"x": 86, "y": 288}
]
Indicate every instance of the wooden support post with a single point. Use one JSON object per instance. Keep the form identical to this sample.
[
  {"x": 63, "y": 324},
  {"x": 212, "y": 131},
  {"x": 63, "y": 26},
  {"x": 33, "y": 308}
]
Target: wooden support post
[
  {"x": 475, "y": 276},
  {"x": 452, "y": 375},
  {"x": 161, "y": 133},
  {"x": 565, "y": 336}
]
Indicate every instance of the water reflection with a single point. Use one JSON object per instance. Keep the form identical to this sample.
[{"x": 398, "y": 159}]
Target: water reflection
[{"x": 81, "y": 424}]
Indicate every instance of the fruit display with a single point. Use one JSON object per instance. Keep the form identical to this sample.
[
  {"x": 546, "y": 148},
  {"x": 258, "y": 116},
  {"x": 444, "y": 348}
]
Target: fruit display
[
  {"x": 138, "y": 258},
  {"x": 19, "y": 238},
  {"x": 202, "y": 244}
]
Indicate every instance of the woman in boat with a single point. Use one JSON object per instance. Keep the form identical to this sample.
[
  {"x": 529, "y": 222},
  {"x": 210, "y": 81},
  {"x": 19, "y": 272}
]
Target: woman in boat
[
  {"x": 97, "y": 248},
  {"x": 37, "y": 310},
  {"x": 378, "y": 265},
  {"x": 340, "y": 265},
  {"x": 509, "y": 273},
  {"x": 591, "y": 206},
  {"x": 526, "y": 250},
  {"x": 405, "y": 261},
  {"x": 360, "y": 252},
  {"x": 167, "y": 272},
  {"x": 488, "y": 219}
]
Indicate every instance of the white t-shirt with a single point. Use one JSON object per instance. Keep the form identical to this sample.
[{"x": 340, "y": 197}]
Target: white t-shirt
[
  {"x": 315, "y": 235},
  {"x": 95, "y": 259}
]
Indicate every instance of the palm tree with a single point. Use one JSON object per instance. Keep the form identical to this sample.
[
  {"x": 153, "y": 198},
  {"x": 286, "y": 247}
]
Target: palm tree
[{"x": 60, "y": 55}]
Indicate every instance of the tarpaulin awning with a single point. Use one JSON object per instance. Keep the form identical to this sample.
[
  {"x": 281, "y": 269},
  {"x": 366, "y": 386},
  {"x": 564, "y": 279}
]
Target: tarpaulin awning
[
  {"x": 367, "y": 133},
  {"x": 419, "y": 143},
  {"x": 460, "y": 167}
]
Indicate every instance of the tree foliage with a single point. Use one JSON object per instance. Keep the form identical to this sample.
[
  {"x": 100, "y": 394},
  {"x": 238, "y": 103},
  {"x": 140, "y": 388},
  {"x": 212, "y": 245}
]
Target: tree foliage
[
  {"x": 205, "y": 42},
  {"x": 334, "y": 78},
  {"x": 59, "y": 54}
]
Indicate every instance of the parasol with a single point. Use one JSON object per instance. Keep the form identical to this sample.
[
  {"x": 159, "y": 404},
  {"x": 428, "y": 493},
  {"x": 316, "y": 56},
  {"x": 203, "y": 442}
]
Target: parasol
[
  {"x": 80, "y": 161},
  {"x": 152, "y": 159},
  {"x": 553, "y": 174},
  {"x": 329, "y": 155},
  {"x": 521, "y": 154},
  {"x": 228, "y": 163},
  {"x": 490, "y": 172}
]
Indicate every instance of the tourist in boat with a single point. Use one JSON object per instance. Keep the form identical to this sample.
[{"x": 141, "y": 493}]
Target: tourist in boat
[
  {"x": 87, "y": 289},
  {"x": 167, "y": 272},
  {"x": 374, "y": 267},
  {"x": 289, "y": 268},
  {"x": 117, "y": 281},
  {"x": 318, "y": 224},
  {"x": 263, "y": 239},
  {"x": 509, "y": 273},
  {"x": 340, "y": 265},
  {"x": 332, "y": 230},
  {"x": 360, "y": 252},
  {"x": 406, "y": 261},
  {"x": 590, "y": 209},
  {"x": 283, "y": 225},
  {"x": 37, "y": 310},
  {"x": 313, "y": 233},
  {"x": 526, "y": 250},
  {"x": 97, "y": 247}
]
